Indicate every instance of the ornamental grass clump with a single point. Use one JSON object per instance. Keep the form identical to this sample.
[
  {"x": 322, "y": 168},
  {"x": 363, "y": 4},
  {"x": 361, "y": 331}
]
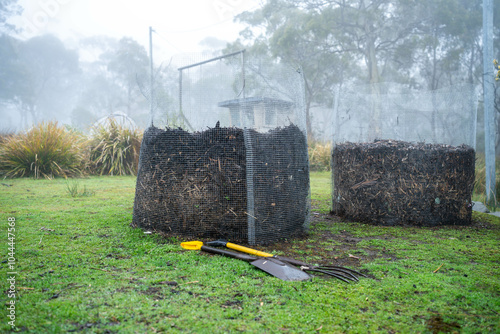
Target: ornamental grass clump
[
  {"x": 4, "y": 134},
  {"x": 320, "y": 156},
  {"x": 480, "y": 180},
  {"x": 114, "y": 149},
  {"x": 47, "y": 150}
]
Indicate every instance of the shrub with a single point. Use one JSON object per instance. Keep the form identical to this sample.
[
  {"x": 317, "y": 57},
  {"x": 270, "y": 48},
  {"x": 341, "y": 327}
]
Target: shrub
[
  {"x": 46, "y": 150},
  {"x": 479, "y": 193},
  {"x": 114, "y": 149},
  {"x": 320, "y": 156}
]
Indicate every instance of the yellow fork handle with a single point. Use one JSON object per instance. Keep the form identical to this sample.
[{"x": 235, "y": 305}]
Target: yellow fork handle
[{"x": 247, "y": 250}]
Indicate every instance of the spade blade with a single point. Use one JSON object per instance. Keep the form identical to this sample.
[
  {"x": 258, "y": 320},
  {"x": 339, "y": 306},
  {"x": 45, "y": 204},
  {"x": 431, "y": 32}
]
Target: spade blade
[{"x": 281, "y": 270}]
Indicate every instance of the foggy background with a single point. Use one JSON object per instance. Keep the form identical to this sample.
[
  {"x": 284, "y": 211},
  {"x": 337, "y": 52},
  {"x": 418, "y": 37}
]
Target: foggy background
[{"x": 77, "y": 61}]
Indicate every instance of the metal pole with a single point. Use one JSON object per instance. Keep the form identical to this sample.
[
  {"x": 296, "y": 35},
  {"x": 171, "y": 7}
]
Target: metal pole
[
  {"x": 151, "y": 92},
  {"x": 489, "y": 116},
  {"x": 250, "y": 161},
  {"x": 211, "y": 60},
  {"x": 243, "y": 72},
  {"x": 180, "y": 92}
]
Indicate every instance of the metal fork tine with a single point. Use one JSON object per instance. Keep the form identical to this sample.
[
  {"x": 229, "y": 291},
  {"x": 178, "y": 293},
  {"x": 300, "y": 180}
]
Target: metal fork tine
[
  {"x": 354, "y": 277},
  {"x": 330, "y": 273},
  {"x": 344, "y": 268},
  {"x": 344, "y": 273}
]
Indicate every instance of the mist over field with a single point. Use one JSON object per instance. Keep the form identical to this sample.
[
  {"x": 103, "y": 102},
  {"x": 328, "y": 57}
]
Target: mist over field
[{"x": 81, "y": 74}]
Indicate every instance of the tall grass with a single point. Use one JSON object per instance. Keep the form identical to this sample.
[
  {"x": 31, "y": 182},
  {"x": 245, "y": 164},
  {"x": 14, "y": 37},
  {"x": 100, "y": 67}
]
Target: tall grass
[
  {"x": 47, "y": 150},
  {"x": 319, "y": 156},
  {"x": 114, "y": 149},
  {"x": 6, "y": 133},
  {"x": 74, "y": 190},
  {"x": 480, "y": 181}
]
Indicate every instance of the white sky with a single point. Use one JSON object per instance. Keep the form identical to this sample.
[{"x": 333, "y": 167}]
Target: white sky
[{"x": 180, "y": 25}]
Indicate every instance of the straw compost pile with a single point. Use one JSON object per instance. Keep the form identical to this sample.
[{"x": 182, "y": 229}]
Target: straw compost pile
[
  {"x": 400, "y": 183},
  {"x": 195, "y": 184}
]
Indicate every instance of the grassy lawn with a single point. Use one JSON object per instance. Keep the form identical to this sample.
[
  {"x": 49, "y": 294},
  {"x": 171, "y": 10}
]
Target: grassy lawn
[{"x": 81, "y": 268}]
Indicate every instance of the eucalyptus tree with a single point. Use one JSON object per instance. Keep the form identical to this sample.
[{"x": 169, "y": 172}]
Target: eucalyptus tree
[
  {"x": 38, "y": 77},
  {"x": 449, "y": 42},
  {"x": 50, "y": 72},
  {"x": 8, "y": 8},
  {"x": 288, "y": 33},
  {"x": 11, "y": 71},
  {"x": 125, "y": 63},
  {"x": 109, "y": 82},
  {"x": 334, "y": 41}
]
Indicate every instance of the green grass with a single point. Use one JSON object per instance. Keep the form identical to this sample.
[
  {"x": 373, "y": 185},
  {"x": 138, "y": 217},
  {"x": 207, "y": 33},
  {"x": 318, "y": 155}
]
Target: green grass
[
  {"x": 81, "y": 268},
  {"x": 321, "y": 191}
]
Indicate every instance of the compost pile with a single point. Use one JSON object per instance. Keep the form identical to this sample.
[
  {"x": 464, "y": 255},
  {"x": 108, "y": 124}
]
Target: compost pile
[
  {"x": 195, "y": 184},
  {"x": 400, "y": 183},
  {"x": 281, "y": 183}
]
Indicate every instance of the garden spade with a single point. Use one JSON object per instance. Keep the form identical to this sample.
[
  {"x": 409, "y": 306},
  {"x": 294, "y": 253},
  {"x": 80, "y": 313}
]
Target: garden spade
[
  {"x": 342, "y": 273},
  {"x": 272, "y": 266}
]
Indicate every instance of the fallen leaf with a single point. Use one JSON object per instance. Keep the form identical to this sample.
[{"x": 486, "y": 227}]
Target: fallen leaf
[{"x": 354, "y": 257}]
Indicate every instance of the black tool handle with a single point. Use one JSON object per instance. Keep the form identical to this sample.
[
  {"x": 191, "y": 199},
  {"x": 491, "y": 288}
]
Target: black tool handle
[
  {"x": 224, "y": 252},
  {"x": 217, "y": 243},
  {"x": 291, "y": 261}
]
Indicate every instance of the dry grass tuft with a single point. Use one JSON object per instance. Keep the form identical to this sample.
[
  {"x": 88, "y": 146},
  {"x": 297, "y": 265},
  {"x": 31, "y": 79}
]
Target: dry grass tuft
[
  {"x": 320, "y": 156},
  {"x": 114, "y": 149},
  {"x": 46, "y": 150}
]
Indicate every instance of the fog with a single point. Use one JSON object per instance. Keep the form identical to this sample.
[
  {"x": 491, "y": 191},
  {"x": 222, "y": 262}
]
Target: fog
[{"x": 76, "y": 62}]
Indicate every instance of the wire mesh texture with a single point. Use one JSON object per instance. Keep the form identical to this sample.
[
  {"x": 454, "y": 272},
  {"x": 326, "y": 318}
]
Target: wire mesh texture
[
  {"x": 231, "y": 160},
  {"x": 404, "y": 157}
]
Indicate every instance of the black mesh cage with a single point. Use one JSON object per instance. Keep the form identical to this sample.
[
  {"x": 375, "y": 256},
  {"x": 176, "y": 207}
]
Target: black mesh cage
[
  {"x": 403, "y": 157},
  {"x": 232, "y": 161}
]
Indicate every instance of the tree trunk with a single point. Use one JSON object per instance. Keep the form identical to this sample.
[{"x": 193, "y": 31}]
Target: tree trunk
[
  {"x": 310, "y": 135},
  {"x": 434, "y": 85},
  {"x": 374, "y": 131},
  {"x": 32, "y": 111}
]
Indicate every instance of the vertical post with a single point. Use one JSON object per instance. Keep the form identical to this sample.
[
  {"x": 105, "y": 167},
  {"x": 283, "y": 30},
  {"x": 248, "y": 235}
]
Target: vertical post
[
  {"x": 243, "y": 71},
  {"x": 151, "y": 92},
  {"x": 180, "y": 91},
  {"x": 247, "y": 136},
  {"x": 489, "y": 117},
  {"x": 335, "y": 140}
]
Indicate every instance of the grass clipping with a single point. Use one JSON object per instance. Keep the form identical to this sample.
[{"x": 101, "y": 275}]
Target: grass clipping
[{"x": 400, "y": 183}]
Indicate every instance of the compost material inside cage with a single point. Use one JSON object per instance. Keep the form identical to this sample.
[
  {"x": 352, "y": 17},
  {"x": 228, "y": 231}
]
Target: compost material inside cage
[
  {"x": 399, "y": 183},
  {"x": 195, "y": 184}
]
